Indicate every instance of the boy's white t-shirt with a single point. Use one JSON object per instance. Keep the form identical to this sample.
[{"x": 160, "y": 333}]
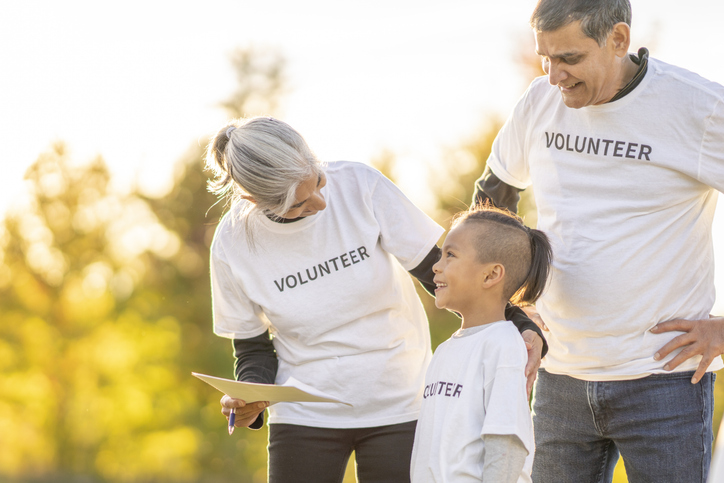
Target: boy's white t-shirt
[
  {"x": 626, "y": 192},
  {"x": 334, "y": 291},
  {"x": 475, "y": 385}
]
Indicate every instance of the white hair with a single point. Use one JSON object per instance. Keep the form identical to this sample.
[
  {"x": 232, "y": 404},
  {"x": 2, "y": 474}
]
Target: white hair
[{"x": 262, "y": 159}]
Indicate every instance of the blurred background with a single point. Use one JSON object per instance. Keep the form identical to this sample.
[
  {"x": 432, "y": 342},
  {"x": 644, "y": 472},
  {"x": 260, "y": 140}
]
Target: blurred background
[{"x": 105, "y": 221}]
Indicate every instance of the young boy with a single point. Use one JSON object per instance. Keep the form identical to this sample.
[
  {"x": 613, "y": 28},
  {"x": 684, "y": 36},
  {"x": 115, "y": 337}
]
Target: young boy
[{"x": 475, "y": 422}]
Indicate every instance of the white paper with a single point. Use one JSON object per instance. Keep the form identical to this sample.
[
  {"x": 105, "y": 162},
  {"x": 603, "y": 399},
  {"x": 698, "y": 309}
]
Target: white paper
[{"x": 291, "y": 391}]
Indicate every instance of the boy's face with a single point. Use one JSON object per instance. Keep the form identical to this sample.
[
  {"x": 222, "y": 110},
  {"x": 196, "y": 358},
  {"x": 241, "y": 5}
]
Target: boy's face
[{"x": 458, "y": 273}]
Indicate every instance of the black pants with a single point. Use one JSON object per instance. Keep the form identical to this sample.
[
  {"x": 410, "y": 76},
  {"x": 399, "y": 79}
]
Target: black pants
[{"x": 305, "y": 454}]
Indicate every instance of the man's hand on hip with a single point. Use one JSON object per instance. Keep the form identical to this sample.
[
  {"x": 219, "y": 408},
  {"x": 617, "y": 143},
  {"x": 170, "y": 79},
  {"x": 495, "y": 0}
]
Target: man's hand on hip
[{"x": 701, "y": 337}]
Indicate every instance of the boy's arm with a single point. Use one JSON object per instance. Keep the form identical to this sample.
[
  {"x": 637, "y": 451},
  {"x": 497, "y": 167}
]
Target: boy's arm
[{"x": 504, "y": 458}]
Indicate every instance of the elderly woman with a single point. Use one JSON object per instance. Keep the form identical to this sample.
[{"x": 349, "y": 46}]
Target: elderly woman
[{"x": 309, "y": 278}]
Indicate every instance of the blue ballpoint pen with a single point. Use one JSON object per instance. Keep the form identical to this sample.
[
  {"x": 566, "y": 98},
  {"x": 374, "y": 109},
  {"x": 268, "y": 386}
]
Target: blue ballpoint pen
[{"x": 232, "y": 419}]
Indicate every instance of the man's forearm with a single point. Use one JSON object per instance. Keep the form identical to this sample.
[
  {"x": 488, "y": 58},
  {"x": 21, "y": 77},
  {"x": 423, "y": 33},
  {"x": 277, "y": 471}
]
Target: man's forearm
[{"x": 490, "y": 188}]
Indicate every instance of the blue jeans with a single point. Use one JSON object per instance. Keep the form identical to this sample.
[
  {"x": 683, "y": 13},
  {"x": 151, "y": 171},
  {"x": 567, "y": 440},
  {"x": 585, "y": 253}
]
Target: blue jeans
[{"x": 661, "y": 425}]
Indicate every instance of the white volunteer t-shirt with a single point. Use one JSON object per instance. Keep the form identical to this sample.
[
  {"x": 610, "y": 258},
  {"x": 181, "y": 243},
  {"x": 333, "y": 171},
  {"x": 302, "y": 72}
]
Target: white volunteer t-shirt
[
  {"x": 626, "y": 192},
  {"x": 334, "y": 291},
  {"x": 475, "y": 385}
]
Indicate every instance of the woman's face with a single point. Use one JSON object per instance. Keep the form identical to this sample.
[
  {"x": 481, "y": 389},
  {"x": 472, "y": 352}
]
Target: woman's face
[{"x": 308, "y": 199}]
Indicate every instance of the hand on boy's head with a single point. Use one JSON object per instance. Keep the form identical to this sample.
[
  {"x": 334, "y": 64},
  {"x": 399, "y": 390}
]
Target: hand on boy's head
[{"x": 534, "y": 344}]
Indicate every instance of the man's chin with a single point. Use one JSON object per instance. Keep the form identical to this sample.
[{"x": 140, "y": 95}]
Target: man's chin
[{"x": 574, "y": 102}]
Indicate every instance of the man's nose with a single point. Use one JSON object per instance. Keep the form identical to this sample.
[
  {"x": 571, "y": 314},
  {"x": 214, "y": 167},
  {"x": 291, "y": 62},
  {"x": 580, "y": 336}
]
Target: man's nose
[{"x": 556, "y": 74}]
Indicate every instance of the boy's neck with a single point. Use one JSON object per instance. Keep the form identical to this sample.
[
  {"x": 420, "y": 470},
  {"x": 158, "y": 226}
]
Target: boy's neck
[{"x": 484, "y": 314}]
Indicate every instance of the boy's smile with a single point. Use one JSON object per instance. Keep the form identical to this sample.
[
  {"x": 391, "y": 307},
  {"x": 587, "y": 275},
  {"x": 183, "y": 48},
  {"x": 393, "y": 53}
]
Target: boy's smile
[{"x": 458, "y": 270}]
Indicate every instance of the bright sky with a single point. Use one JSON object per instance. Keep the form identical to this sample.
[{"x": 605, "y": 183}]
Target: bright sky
[{"x": 139, "y": 81}]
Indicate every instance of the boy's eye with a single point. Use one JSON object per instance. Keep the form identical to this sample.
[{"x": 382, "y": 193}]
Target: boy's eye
[{"x": 449, "y": 254}]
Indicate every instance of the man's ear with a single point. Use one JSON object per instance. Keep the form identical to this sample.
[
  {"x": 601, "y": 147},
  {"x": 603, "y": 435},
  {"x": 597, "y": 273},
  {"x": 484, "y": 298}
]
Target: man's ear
[{"x": 620, "y": 39}]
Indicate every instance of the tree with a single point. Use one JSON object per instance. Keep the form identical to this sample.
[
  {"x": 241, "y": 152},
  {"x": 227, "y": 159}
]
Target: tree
[
  {"x": 90, "y": 386},
  {"x": 191, "y": 212},
  {"x": 261, "y": 82},
  {"x": 105, "y": 304}
]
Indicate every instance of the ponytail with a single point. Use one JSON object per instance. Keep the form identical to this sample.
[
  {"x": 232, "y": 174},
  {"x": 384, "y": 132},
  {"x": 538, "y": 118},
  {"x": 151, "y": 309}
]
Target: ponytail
[
  {"x": 535, "y": 280},
  {"x": 524, "y": 252}
]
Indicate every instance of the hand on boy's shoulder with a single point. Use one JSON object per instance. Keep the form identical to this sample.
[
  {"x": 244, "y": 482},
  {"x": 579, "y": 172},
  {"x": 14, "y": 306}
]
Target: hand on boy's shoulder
[
  {"x": 534, "y": 346},
  {"x": 533, "y": 315}
]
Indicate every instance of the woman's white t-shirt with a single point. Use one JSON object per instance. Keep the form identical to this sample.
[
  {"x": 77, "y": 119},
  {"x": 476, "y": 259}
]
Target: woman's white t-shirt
[{"x": 334, "y": 291}]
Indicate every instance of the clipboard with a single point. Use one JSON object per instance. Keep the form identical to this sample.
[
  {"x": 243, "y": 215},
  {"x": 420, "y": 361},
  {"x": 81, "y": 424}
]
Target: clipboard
[{"x": 291, "y": 391}]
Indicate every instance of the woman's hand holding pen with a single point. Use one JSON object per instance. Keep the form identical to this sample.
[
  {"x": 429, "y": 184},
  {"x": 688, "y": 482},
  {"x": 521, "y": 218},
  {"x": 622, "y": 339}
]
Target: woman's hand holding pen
[{"x": 245, "y": 413}]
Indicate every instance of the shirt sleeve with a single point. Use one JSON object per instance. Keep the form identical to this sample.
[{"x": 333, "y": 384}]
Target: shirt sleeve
[
  {"x": 711, "y": 159},
  {"x": 508, "y": 159},
  {"x": 235, "y": 316},
  {"x": 406, "y": 232},
  {"x": 504, "y": 394},
  {"x": 256, "y": 361},
  {"x": 489, "y": 188},
  {"x": 504, "y": 458},
  {"x": 522, "y": 322},
  {"x": 423, "y": 272}
]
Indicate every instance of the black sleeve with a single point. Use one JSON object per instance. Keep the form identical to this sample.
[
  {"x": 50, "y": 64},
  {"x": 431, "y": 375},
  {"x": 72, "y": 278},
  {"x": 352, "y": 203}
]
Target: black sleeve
[
  {"x": 490, "y": 188},
  {"x": 423, "y": 272},
  {"x": 256, "y": 361},
  {"x": 516, "y": 315}
]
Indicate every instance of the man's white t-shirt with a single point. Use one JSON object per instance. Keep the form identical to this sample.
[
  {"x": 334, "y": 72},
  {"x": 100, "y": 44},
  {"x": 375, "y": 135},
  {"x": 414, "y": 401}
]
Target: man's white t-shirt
[
  {"x": 475, "y": 386},
  {"x": 334, "y": 291},
  {"x": 626, "y": 191}
]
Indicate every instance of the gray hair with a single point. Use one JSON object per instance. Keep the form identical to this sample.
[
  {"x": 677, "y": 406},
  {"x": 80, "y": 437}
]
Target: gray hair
[
  {"x": 262, "y": 158},
  {"x": 597, "y": 16}
]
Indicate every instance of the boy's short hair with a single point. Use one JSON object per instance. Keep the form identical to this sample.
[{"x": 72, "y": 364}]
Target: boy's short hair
[{"x": 503, "y": 238}]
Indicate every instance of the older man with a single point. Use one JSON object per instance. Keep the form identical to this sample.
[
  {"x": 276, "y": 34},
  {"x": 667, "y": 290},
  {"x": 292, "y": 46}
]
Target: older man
[{"x": 626, "y": 155}]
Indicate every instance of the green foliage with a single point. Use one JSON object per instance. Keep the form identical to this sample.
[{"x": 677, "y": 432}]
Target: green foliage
[
  {"x": 89, "y": 379},
  {"x": 261, "y": 82},
  {"x": 106, "y": 312}
]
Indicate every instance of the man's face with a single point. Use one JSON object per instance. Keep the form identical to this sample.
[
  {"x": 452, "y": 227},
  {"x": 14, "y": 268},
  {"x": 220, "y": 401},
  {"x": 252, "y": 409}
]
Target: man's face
[{"x": 585, "y": 73}]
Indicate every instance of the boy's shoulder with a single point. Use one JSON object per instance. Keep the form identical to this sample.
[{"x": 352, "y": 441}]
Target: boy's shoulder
[
  {"x": 491, "y": 332},
  {"x": 495, "y": 341}
]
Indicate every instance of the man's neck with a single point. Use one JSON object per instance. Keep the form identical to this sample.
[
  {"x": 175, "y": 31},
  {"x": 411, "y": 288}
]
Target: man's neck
[
  {"x": 641, "y": 65},
  {"x": 629, "y": 71}
]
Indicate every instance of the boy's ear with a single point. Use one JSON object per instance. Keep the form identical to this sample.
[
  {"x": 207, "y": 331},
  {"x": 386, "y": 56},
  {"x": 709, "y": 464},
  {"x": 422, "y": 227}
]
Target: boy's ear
[{"x": 493, "y": 274}]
